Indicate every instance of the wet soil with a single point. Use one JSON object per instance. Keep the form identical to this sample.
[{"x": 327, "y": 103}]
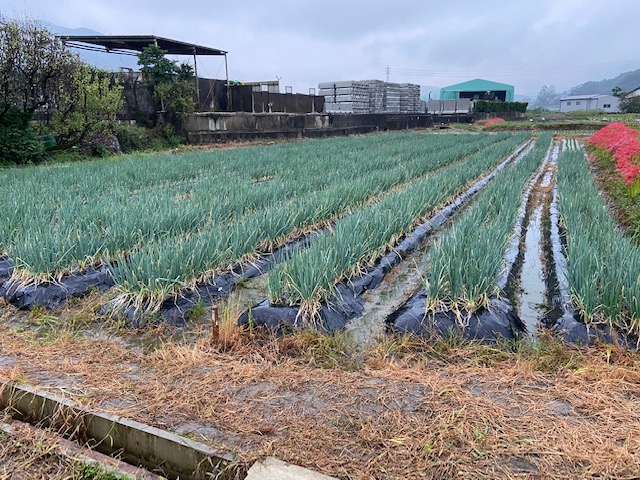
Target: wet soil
[
  {"x": 398, "y": 286},
  {"x": 532, "y": 278}
]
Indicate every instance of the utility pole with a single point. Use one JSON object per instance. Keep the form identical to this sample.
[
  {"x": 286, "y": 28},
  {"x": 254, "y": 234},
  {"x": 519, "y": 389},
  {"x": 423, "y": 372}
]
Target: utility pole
[{"x": 388, "y": 70}]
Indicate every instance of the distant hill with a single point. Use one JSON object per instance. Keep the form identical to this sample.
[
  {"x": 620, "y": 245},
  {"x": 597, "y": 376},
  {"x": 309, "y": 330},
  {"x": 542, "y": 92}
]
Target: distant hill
[
  {"x": 60, "y": 30},
  {"x": 108, "y": 61},
  {"x": 626, "y": 81}
]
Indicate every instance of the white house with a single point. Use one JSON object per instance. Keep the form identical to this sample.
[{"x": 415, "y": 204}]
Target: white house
[
  {"x": 605, "y": 103},
  {"x": 633, "y": 93}
]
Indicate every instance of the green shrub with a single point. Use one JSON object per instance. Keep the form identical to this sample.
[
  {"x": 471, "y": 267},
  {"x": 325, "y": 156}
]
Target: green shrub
[
  {"x": 134, "y": 138},
  {"x": 630, "y": 105},
  {"x": 486, "y": 106},
  {"x": 19, "y": 144},
  {"x": 169, "y": 135}
]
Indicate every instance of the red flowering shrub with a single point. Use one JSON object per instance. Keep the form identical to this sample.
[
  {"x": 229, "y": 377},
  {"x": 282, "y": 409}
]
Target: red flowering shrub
[
  {"x": 623, "y": 144},
  {"x": 492, "y": 121}
]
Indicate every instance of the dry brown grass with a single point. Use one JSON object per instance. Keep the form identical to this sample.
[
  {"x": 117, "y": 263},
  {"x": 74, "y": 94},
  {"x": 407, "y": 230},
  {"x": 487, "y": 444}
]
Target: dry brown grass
[
  {"x": 402, "y": 409},
  {"x": 30, "y": 455}
]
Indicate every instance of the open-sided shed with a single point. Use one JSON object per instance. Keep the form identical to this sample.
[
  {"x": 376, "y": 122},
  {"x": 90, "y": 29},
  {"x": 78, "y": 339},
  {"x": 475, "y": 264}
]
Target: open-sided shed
[
  {"x": 479, "y": 89},
  {"x": 134, "y": 44}
]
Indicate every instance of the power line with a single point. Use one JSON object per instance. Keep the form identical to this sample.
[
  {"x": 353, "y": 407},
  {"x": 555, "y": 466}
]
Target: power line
[{"x": 531, "y": 71}]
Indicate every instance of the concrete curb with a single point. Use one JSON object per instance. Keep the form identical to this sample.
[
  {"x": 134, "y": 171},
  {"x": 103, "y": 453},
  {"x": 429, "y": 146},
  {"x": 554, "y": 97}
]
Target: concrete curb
[{"x": 134, "y": 442}]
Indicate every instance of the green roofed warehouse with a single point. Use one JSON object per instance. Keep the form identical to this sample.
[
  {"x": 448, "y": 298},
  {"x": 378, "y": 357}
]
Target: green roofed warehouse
[{"x": 479, "y": 89}]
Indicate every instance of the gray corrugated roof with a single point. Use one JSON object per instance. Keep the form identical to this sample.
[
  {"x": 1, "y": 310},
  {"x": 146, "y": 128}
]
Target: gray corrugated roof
[
  {"x": 585, "y": 97},
  {"x": 137, "y": 43}
]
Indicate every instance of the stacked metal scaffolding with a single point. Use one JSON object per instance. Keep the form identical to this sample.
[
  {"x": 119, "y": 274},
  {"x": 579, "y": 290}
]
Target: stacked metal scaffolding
[{"x": 370, "y": 96}]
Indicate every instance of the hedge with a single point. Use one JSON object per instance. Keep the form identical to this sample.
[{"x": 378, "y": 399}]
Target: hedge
[{"x": 486, "y": 106}]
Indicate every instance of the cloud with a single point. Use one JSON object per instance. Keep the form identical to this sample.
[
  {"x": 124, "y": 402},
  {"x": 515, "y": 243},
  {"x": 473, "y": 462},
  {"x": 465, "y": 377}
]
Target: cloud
[{"x": 527, "y": 43}]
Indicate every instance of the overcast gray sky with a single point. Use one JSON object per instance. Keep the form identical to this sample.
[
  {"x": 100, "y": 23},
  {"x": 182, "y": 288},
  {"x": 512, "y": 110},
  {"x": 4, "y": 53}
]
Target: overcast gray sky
[{"x": 526, "y": 43}]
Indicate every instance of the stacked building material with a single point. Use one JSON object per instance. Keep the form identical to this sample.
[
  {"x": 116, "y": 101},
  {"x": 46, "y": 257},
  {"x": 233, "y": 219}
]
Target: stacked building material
[
  {"x": 410, "y": 98},
  {"x": 376, "y": 89},
  {"x": 370, "y": 96},
  {"x": 350, "y": 96},
  {"x": 392, "y": 98}
]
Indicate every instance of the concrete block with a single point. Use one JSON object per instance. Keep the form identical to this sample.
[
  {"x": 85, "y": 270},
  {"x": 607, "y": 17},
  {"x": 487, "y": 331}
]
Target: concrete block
[{"x": 273, "y": 469}]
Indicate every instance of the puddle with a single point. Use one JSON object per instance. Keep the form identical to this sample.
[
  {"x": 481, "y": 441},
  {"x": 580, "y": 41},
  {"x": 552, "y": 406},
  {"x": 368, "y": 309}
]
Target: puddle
[
  {"x": 532, "y": 285},
  {"x": 399, "y": 284},
  {"x": 247, "y": 294},
  {"x": 532, "y": 272}
]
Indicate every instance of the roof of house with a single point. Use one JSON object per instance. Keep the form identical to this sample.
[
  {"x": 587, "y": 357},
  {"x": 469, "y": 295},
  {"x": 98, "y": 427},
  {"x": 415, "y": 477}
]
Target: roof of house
[
  {"x": 584, "y": 97},
  {"x": 136, "y": 43}
]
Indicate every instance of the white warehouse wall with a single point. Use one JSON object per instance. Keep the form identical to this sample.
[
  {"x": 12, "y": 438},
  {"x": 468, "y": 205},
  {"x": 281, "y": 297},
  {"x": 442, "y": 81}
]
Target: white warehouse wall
[{"x": 606, "y": 103}]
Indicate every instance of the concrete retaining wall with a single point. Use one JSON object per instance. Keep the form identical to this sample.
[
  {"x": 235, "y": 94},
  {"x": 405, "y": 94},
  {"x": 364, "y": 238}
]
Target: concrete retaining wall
[{"x": 212, "y": 127}]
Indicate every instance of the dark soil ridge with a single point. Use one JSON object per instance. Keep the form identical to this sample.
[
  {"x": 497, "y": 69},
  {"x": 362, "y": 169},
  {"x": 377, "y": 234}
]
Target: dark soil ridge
[
  {"x": 6, "y": 269},
  {"x": 346, "y": 302},
  {"x": 27, "y": 296}
]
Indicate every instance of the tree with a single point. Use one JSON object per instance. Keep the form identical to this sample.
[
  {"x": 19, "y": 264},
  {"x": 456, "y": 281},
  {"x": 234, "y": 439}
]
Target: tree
[
  {"x": 630, "y": 104},
  {"x": 155, "y": 67},
  {"x": 546, "y": 97},
  {"x": 617, "y": 92},
  {"x": 85, "y": 106},
  {"x": 172, "y": 83},
  {"x": 19, "y": 144},
  {"x": 33, "y": 65}
]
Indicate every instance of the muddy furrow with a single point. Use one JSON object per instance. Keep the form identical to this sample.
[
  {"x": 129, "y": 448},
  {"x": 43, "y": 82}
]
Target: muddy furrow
[
  {"x": 532, "y": 283},
  {"x": 348, "y": 302},
  {"x": 522, "y": 280}
]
